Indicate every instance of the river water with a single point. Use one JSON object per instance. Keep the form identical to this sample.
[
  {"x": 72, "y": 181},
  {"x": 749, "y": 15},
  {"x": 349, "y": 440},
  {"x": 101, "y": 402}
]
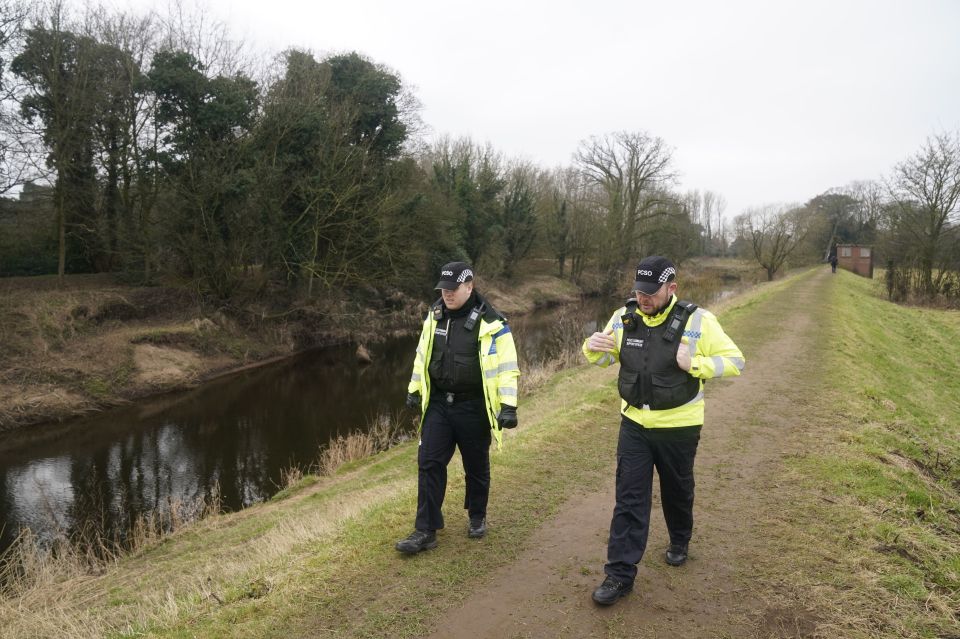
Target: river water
[{"x": 236, "y": 434}]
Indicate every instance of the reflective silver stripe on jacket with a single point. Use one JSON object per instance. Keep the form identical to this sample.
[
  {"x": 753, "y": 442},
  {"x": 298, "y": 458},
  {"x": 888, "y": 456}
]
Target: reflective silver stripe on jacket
[
  {"x": 717, "y": 366},
  {"x": 502, "y": 368},
  {"x": 696, "y": 321}
]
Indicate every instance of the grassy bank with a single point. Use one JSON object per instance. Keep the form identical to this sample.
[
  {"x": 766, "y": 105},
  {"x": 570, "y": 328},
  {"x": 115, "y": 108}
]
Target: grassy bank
[
  {"x": 867, "y": 540},
  {"x": 879, "y": 545}
]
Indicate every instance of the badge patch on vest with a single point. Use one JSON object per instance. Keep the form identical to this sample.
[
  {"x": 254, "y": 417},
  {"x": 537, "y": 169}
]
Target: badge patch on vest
[
  {"x": 442, "y": 332},
  {"x": 633, "y": 342}
]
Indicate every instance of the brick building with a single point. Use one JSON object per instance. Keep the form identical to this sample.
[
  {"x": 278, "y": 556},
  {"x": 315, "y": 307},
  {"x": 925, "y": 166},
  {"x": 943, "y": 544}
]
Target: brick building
[{"x": 856, "y": 258}]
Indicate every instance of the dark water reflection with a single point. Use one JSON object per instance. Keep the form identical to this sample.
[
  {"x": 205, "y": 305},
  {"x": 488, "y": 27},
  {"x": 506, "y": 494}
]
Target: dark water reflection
[{"x": 239, "y": 433}]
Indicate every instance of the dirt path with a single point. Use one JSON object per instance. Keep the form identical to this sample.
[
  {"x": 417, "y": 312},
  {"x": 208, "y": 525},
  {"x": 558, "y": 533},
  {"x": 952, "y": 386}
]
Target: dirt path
[{"x": 752, "y": 423}]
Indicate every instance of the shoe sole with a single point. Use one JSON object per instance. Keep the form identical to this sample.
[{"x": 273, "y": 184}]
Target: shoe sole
[
  {"x": 428, "y": 546},
  {"x": 473, "y": 535},
  {"x": 675, "y": 563}
]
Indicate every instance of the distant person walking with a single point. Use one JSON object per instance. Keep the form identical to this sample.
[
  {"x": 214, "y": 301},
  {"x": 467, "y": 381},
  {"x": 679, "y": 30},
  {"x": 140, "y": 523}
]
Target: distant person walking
[
  {"x": 666, "y": 348},
  {"x": 464, "y": 383},
  {"x": 833, "y": 262}
]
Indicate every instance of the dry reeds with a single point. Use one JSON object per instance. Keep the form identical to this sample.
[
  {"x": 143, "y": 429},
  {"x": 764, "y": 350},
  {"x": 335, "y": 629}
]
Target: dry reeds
[
  {"x": 31, "y": 564},
  {"x": 384, "y": 432},
  {"x": 567, "y": 336},
  {"x": 290, "y": 477}
]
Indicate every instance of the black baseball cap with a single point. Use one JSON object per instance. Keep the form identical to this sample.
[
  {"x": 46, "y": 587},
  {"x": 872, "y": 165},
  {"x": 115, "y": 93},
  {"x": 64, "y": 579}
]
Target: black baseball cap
[
  {"x": 453, "y": 274},
  {"x": 652, "y": 273}
]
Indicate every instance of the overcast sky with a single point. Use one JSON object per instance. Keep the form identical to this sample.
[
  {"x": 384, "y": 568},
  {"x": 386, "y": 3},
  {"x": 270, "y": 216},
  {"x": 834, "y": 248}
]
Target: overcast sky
[{"x": 762, "y": 102}]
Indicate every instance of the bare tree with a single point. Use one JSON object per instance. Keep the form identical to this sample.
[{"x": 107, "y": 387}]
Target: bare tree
[
  {"x": 570, "y": 217},
  {"x": 694, "y": 207},
  {"x": 714, "y": 207},
  {"x": 208, "y": 40},
  {"x": 705, "y": 211},
  {"x": 871, "y": 201},
  {"x": 20, "y": 144},
  {"x": 926, "y": 191},
  {"x": 587, "y": 219},
  {"x": 628, "y": 172},
  {"x": 773, "y": 233}
]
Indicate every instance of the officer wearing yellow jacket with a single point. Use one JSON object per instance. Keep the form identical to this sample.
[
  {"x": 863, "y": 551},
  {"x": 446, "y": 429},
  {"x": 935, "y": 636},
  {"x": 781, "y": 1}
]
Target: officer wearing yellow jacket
[
  {"x": 666, "y": 349},
  {"x": 464, "y": 383}
]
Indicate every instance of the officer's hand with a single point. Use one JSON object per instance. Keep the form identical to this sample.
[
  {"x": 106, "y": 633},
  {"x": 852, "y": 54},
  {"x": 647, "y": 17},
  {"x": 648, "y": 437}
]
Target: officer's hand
[
  {"x": 602, "y": 342},
  {"x": 683, "y": 355},
  {"x": 413, "y": 401},
  {"x": 507, "y": 417}
]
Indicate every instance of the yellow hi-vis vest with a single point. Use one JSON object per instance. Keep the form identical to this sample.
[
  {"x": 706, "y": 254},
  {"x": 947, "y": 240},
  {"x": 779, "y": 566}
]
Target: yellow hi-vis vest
[
  {"x": 498, "y": 364},
  {"x": 712, "y": 354}
]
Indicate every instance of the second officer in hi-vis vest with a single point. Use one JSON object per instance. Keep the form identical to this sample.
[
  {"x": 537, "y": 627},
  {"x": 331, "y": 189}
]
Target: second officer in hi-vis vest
[
  {"x": 464, "y": 383},
  {"x": 666, "y": 349}
]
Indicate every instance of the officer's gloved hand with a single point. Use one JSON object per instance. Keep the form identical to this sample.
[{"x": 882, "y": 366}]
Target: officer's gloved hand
[
  {"x": 507, "y": 417},
  {"x": 413, "y": 401}
]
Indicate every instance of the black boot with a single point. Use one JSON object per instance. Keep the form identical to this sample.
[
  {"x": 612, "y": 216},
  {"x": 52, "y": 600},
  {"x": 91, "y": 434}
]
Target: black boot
[
  {"x": 478, "y": 528},
  {"x": 417, "y": 541},
  {"x": 610, "y": 590},
  {"x": 677, "y": 554}
]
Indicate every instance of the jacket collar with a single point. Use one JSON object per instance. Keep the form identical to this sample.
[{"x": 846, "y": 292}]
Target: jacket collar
[
  {"x": 490, "y": 322},
  {"x": 661, "y": 317}
]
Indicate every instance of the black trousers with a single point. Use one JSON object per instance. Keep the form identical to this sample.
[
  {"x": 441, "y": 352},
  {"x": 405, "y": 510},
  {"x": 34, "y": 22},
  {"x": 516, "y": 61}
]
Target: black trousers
[
  {"x": 463, "y": 425},
  {"x": 671, "y": 451}
]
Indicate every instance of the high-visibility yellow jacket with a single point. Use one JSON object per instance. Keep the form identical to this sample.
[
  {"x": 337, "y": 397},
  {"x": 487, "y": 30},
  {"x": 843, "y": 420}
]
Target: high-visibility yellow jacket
[
  {"x": 712, "y": 354},
  {"x": 498, "y": 364}
]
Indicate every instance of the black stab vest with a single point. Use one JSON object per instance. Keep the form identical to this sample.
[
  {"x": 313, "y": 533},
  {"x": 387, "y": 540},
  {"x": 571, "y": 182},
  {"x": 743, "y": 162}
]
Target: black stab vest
[
  {"x": 455, "y": 358},
  {"x": 649, "y": 374}
]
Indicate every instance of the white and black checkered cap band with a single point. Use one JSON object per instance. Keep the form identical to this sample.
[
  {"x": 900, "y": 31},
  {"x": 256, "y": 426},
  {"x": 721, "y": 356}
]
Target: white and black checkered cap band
[
  {"x": 464, "y": 275},
  {"x": 667, "y": 272}
]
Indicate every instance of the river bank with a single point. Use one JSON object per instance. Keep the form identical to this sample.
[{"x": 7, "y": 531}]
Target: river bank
[{"x": 96, "y": 343}]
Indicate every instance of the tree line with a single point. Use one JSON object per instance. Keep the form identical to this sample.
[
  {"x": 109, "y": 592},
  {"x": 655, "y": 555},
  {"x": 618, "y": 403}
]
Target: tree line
[
  {"x": 160, "y": 148},
  {"x": 154, "y": 146}
]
